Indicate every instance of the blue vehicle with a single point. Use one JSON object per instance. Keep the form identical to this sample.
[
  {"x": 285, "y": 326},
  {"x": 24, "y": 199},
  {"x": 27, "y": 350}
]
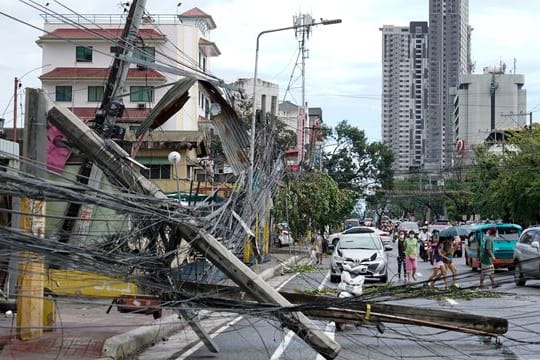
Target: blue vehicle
[{"x": 504, "y": 244}]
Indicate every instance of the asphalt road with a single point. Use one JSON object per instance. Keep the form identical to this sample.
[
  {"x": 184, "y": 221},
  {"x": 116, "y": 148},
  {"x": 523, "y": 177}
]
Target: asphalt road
[{"x": 261, "y": 337}]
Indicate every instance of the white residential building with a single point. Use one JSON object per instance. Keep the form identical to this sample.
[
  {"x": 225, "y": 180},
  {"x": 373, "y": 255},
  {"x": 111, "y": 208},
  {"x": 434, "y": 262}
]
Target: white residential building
[
  {"x": 267, "y": 94},
  {"x": 80, "y": 58},
  {"x": 486, "y": 103},
  {"x": 77, "y": 56}
]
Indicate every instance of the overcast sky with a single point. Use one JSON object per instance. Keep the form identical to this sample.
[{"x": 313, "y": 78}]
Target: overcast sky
[{"x": 343, "y": 71}]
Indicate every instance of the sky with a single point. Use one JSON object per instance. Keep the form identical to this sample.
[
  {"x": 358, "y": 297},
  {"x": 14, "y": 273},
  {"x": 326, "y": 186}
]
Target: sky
[{"x": 343, "y": 70}]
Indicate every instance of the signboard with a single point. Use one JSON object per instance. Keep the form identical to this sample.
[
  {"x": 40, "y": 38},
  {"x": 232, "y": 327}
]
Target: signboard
[{"x": 300, "y": 124}]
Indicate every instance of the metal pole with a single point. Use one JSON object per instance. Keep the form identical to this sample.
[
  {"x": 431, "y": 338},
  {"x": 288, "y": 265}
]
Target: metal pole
[
  {"x": 253, "y": 115},
  {"x": 16, "y": 83}
]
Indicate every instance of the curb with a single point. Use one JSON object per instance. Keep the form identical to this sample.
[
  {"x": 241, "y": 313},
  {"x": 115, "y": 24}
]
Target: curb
[{"x": 123, "y": 346}]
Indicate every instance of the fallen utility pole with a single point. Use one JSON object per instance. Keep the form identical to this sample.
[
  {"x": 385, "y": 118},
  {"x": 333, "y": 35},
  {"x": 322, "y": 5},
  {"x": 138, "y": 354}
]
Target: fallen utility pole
[
  {"x": 358, "y": 310},
  {"x": 116, "y": 165}
]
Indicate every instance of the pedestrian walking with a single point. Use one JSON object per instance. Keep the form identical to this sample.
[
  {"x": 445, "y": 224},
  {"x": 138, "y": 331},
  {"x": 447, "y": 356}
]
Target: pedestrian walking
[
  {"x": 401, "y": 254},
  {"x": 411, "y": 250},
  {"x": 439, "y": 268},
  {"x": 447, "y": 254},
  {"x": 318, "y": 247},
  {"x": 486, "y": 258}
]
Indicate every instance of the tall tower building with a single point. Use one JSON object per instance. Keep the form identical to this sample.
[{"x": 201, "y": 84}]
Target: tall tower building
[
  {"x": 404, "y": 78},
  {"x": 449, "y": 37}
]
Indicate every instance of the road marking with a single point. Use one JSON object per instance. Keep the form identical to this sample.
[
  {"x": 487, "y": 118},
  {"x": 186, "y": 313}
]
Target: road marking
[
  {"x": 283, "y": 345},
  {"x": 452, "y": 301},
  {"x": 329, "y": 330},
  {"x": 226, "y": 326},
  {"x": 326, "y": 277}
]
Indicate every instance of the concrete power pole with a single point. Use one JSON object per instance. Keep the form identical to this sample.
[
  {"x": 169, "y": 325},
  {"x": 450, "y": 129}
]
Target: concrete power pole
[
  {"x": 111, "y": 108},
  {"x": 31, "y": 272}
]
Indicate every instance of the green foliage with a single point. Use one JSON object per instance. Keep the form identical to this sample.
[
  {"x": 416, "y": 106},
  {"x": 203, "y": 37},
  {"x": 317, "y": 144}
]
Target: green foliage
[
  {"x": 508, "y": 183},
  {"x": 356, "y": 164},
  {"x": 311, "y": 201}
]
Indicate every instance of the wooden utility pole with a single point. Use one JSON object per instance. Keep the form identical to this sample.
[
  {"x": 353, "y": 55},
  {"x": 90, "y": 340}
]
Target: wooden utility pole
[
  {"x": 31, "y": 271},
  {"x": 360, "y": 311}
]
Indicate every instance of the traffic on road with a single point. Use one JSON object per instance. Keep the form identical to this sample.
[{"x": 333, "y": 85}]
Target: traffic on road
[{"x": 248, "y": 335}]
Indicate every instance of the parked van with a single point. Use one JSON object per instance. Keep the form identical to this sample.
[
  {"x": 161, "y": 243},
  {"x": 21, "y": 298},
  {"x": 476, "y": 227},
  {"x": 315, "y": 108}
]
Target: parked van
[{"x": 504, "y": 244}]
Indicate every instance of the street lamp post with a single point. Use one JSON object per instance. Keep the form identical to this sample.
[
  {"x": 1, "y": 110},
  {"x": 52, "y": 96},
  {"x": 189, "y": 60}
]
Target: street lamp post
[
  {"x": 174, "y": 159},
  {"x": 253, "y": 115}
]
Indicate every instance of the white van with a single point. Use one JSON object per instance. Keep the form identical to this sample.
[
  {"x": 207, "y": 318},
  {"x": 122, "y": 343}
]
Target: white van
[{"x": 284, "y": 236}]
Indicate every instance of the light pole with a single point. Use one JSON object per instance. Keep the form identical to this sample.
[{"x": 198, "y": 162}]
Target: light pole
[
  {"x": 253, "y": 115},
  {"x": 174, "y": 159}
]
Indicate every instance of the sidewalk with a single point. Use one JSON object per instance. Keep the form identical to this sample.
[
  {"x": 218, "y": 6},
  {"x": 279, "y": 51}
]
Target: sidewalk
[{"x": 84, "y": 330}]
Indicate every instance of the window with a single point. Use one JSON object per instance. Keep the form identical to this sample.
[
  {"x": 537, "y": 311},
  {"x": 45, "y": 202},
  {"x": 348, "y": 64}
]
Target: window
[
  {"x": 83, "y": 54},
  {"x": 141, "y": 93},
  {"x": 157, "y": 172},
  {"x": 95, "y": 93},
  {"x": 145, "y": 53},
  {"x": 63, "y": 93}
]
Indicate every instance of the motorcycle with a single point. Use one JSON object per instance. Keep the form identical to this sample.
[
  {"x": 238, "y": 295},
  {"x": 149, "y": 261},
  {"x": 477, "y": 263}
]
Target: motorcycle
[
  {"x": 351, "y": 284},
  {"x": 424, "y": 250}
]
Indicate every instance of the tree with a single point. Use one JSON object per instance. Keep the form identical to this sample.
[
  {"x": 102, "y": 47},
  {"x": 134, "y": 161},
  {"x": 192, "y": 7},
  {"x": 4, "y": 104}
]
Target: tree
[
  {"x": 356, "y": 164},
  {"x": 507, "y": 183},
  {"x": 311, "y": 201}
]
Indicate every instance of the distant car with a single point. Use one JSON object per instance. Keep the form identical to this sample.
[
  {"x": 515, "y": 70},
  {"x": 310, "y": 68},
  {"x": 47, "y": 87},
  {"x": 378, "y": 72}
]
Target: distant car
[
  {"x": 364, "y": 249},
  {"x": 527, "y": 256},
  {"x": 284, "y": 236},
  {"x": 386, "y": 237}
]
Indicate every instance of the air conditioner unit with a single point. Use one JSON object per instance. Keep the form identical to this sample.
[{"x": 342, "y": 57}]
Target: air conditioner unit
[{"x": 141, "y": 106}]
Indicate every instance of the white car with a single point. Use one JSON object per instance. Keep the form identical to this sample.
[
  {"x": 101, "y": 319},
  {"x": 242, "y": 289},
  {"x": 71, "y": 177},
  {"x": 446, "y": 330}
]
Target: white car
[
  {"x": 364, "y": 249},
  {"x": 386, "y": 237},
  {"x": 527, "y": 256}
]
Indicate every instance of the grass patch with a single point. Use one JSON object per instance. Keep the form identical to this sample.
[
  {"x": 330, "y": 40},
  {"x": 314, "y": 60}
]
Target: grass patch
[
  {"x": 404, "y": 292},
  {"x": 323, "y": 291},
  {"x": 304, "y": 268}
]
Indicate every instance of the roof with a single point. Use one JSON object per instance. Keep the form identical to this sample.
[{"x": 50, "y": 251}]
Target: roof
[
  {"x": 208, "y": 48},
  {"x": 95, "y": 34},
  {"x": 195, "y": 13},
  {"x": 129, "y": 115},
  {"x": 60, "y": 73}
]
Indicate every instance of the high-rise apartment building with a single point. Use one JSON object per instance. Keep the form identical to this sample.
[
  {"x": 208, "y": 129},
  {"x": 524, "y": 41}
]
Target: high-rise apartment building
[
  {"x": 449, "y": 39},
  {"x": 404, "y": 58}
]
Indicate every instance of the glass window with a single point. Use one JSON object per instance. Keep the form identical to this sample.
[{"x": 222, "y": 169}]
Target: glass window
[
  {"x": 63, "y": 93},
  {"x": 141, "y": 93},
  {"x": 526, "y": 238},
  {"x": 83, "y": 54},
  {"x": 145, "y": 53},
  {"x": 95, "y": 93},
  {"x": 157, "y": 172}
]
